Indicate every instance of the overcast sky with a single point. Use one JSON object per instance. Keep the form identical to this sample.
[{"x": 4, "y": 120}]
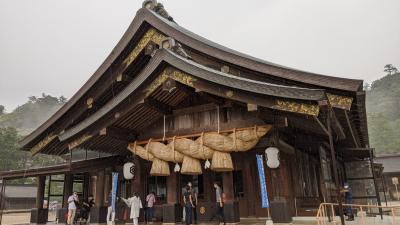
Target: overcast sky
[{"x": 55, "y": 46}]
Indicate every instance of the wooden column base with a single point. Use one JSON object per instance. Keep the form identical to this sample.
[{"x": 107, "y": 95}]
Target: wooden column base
[
  {"x": 39, "y": 216},
  {"x": 98, "y": 215},
  {"x": 280, "y": 211},
  {"x": 206, "y": 210},
  {"x": 231, "y": 212},
  {"x": 172, "y": 213},
  {"x": 62, "y": 215}
]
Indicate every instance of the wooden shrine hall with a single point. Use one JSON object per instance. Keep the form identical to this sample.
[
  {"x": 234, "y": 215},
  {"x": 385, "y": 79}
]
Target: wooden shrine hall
[{"x": 183, "y": 108}]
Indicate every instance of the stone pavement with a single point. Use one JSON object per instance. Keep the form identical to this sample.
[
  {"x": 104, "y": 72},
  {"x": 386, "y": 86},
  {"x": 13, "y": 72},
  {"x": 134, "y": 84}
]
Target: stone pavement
[{"x": 23, "y": 219}]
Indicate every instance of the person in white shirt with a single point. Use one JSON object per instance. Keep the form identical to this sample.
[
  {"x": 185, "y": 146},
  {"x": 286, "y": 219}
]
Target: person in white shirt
[
  {"x": 72, "y": 201},
  {"x": 135, "y": 204},
  {"x": 110, "y": 214}
]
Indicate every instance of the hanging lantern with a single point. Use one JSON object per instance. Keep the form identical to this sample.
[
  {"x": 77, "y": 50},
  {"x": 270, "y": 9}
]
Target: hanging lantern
[
  {"x": 129, "y": 170},
  {"x": 177, "y": 168},
  {"x": 272, "y": 157},
  {"x": 207, "y": 164}
]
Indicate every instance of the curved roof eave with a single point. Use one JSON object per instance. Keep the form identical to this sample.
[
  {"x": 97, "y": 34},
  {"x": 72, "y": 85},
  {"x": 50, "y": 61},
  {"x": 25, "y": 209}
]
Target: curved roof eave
[
  {"x": 122, "y": 43},
  {"x": 198, "y": 71},
  {"x": 203, "y": 45},
  {"x": 206, "y": 46}
]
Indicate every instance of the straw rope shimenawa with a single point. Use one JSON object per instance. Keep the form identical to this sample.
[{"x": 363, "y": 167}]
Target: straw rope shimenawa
[{"x": 207, "y": 145}]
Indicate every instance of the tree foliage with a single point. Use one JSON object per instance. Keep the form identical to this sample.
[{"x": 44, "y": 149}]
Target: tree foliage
[
  {"x": 383, "y": 109},
  {"x": 29, "y": 116},
  {"x": 23, "y": 120}
]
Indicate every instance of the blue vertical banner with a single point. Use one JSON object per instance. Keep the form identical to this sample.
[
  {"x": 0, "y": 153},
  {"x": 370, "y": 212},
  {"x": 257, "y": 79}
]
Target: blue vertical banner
[
  {"x": 263, "y": 184},
  {"x": 114, "y": 190}
]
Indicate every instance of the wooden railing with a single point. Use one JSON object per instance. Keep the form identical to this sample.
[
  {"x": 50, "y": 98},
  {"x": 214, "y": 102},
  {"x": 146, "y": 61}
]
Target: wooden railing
[{"x": 327, "y": 215}]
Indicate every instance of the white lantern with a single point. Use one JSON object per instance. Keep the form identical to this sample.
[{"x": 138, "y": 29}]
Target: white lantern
[
  {"x": 129, "y": 170},
  {"x": 272, "y": 156}
]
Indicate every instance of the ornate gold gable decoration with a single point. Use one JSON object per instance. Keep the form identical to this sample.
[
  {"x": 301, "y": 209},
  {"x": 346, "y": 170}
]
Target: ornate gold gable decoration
[
  {"x": 292, "y": 106},
  {"x": 39, "y": 146},
  {"x": 79, "y": 141},
  {"x": 338, "y": 101},
  {"x": 152, "y": 35},
  {"x": 170, "y": 73}
]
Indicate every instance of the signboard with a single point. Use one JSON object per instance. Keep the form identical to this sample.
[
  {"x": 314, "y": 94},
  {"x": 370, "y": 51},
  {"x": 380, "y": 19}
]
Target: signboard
[
  {"x": 114, "y": 190},
  {"x": 395, "y": 180},
  {"x": 263, "y": 184}
]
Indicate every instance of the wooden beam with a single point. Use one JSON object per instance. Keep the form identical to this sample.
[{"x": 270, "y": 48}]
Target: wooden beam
[
  {"x": 322, "y": 126},
  {"x": 351, "y": 129},
  {"x": 158, "y": 106},
  {"x": 118, "y": 133},
  {"x": 195, "y": 109},
  {"x": 270, "y": 117},
  {"x": 211, "y": 98},
  {"x": 43, "y": 143},
  {"x": 337, "y": 127},
  {"x": 77, "y": 142}
]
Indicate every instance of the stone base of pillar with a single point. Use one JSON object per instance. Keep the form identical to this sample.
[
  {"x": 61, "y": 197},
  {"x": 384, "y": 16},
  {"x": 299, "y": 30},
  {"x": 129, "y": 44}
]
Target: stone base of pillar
[
  {"x": 231, "y": 212},
  {"x": 98, "y": 215},
  {"x": 62, "y": 215},
  {"x": 172, "y": 213},
  {"x": 280, "y": 211},
  {"x": 39, "y": 216}
]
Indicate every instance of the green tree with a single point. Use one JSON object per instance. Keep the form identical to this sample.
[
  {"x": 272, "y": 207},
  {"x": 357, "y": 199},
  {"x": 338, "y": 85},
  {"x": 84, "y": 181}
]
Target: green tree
[
  {"x": 11, "y": 157},
  {"x": 390, "y": 69}
]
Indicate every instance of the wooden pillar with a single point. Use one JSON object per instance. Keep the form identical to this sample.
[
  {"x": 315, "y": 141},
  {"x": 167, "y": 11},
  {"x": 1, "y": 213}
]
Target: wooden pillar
[
  {"x": 41, "y": 181},
  {"x": 99, "y": 189},
  {"x": 172, "y": 188},
  {"x": 172, "y": 211},
  {"x": 68, "y": 184},
  {"x": 231, "y": 207},
  {"x": 208, "y": 186},
  {"x": 335, "y": 170},
  {"x": 92, "y": 184},
  {"x": 137, "y": 183},
  {"x": 39, "y": 215},
  {"x": 107, "y": 184},
  {"x": 227, "y": 179}
]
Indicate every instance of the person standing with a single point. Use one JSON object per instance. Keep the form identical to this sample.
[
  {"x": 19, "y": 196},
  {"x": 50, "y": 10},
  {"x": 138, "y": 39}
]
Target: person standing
[
  {"x": 219, "y": 204},
  {"x": 135, "y": 204},
  {"x": 150, "y": 200},
  {"x": 72, "y": 205},
  {"x": 188, "y": 202},
  {"x": 194, "y": 192},
  {"x": 86, "y": 206},
  {"x": 110, "y": 213},
  {"x": 348, "y": 196}
]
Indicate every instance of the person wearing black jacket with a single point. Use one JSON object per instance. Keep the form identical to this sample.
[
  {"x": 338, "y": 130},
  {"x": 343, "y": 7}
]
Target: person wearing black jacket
[{"x": 86, "y": 205}]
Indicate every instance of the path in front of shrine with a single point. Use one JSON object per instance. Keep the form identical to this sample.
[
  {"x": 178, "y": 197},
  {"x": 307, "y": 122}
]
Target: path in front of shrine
[{"x": 23, "y": 219}]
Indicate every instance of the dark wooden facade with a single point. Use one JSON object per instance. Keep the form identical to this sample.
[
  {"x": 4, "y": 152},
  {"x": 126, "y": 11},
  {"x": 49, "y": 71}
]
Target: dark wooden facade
[{"x": 160, "y": 73}]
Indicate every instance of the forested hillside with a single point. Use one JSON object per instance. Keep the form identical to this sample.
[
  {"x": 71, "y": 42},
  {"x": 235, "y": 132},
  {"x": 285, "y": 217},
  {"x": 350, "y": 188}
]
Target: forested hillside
[
  {"x": 383, "y": 109},
  {"x": 20, "y": 122}
]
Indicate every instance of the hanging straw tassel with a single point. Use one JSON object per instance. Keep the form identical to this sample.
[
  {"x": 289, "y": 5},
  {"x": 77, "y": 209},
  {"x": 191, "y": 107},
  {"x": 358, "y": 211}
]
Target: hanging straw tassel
[
  {"x": 191, "y": 166},
  {"x": 221, "y": 162},
  {"x": 177, "y": 167},
  {"x": 158, "y": 167}
]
